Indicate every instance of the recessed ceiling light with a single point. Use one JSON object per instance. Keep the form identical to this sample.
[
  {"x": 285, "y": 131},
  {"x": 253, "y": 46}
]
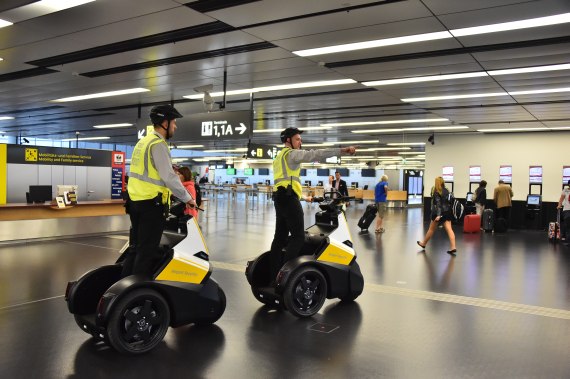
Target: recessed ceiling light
[
  {"x": 303, "y": 129},
  {"x": 102, "y": 94},
  {"x": 86, "y": 139},
  {"x": 357, "y": 142},
  {"x": 539, "y": 91},
  {"x": 493, "y": 94},
  {"x": 4, "y": 23},
  {"x": 406, "y": 143},
  {"x": 507, "y": 130},
  {"x": 386, "y": 122},
  {"x": 2, "y": 118},
  {"x": 112, "y": 126},
  {"x": 454, "y": 97},
  {"x": 513, "y": 25},
  {"x": 511, "y": 71},
  {"x": 321, "y": 83},
  {"x": 237, "y": 150},
  {"x": 385, "y": 149},
  {"x": 409, "y": 129},
  {"x": 521, "y": 24},
  {"x": 523, "y": 70},
  {"x": 58, "y": 5},
  {"x": 373, "y": 44},
  {"x": 419, "y": 79},
  {"x": 188, "y": 146}
]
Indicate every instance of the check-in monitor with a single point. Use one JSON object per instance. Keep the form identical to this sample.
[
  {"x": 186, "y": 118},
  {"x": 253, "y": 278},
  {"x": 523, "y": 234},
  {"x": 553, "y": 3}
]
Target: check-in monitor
[
  {"x": 308, "y": 183},
  {"x": 320, "y": 183},
  {"x": 533, "y": 200},
  {"x": 40, "y": 194}
]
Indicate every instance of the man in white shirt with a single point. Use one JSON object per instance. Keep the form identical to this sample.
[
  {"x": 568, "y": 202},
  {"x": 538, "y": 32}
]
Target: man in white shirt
[{"x": 564, "y": 204}]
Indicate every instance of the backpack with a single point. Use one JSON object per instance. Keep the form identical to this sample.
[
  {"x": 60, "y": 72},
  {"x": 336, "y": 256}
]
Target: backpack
[
  {"x": 457, "y": 209},
  {"x": 198, "y": 194}
]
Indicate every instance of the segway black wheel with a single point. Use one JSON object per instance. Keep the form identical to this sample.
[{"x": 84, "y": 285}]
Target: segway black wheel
[
  {"x": 218, "y": 313},
  {"x": 306, "y": 292},
  {"x": 139, "y": 322}
]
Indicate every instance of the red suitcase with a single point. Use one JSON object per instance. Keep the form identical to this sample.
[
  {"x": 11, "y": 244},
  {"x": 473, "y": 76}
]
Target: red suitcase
[{"x": 471, "y": 223}]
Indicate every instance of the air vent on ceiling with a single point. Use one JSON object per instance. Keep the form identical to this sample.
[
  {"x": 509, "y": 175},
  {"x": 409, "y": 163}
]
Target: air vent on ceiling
[
  {"x": 191, "y": 32},
  {"x": 204, "y": 6},
  {"x": 180, "y": 59}
]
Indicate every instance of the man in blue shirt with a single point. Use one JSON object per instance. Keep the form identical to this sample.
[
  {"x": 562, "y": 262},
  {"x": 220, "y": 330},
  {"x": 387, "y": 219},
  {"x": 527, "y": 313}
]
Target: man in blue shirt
[{"x": 380, "y": 192}]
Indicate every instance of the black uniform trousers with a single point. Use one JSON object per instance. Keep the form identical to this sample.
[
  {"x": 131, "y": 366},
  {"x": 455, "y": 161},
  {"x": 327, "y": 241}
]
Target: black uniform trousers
[
  {"x": 289, "y": 213},
  {"x": 147, "y": 225}
]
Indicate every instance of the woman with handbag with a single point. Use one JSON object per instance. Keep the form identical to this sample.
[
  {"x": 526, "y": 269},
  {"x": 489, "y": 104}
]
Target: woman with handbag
[{"x": 440, "y": 213}]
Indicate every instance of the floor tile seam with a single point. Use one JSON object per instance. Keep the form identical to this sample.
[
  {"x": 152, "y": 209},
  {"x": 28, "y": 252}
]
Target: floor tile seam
[
  {"x": 90, "y": 245},
  {"x": 473, "y": 301},
  {"x": 449, "y": 298}
]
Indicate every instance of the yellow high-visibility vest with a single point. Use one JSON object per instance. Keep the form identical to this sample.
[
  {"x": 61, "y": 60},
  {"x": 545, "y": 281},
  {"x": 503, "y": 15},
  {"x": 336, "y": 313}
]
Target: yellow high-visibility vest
[
  {"x": 283, "y": 176},
  {"x": 144, "y": 181}
]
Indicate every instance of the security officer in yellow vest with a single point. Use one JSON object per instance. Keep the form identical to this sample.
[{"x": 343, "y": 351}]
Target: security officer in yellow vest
[
  {"x": 288, "y": 192},
  {"x": 151, "y": 180}
]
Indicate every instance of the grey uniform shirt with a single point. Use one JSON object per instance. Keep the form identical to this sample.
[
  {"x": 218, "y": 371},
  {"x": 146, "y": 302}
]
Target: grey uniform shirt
[
  {"x": 298, "y": 156},
  {"x": 160, "y": 155}
]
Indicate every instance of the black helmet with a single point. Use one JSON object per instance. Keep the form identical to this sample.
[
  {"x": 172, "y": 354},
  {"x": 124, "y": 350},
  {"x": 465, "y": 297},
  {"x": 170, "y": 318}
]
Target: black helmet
[
  {"x": 288, "y": 133},
  {"x": 163, "y": 112}
]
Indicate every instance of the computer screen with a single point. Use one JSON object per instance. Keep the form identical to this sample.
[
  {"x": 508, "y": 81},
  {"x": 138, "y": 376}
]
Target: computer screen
[
  {"x": 368, "y": 173},
  {"x": 354, "y": 184},
  {"x": 303, "y": 172},
  {"x": 320, "y": 183},
  {"x": 230, "y": 171},
  {"x": 248, "y": 171},
  {"x": 307, "y": 182},
  {"x": 263, "y": 171},
  {"x": 469, "y": 197},
  {"x": 343, "y": 171},
  {"x": 533, "y": 199},
  {"x": 61, "y": 188},
  {"x": 322, "y": 172},
  {"x": 40, "y": 194}
]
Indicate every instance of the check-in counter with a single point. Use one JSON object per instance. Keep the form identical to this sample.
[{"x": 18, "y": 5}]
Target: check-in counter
[
  {"x": 397, "y": 199},
  {"x": 20, "y": 221}
]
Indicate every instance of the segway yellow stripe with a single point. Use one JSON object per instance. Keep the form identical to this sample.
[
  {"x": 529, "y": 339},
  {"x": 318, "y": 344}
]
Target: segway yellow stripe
[
  {"x": 186, "y": 272},
  {"x": 336, "y": 254},
  {"x": 3, "y": 173}
]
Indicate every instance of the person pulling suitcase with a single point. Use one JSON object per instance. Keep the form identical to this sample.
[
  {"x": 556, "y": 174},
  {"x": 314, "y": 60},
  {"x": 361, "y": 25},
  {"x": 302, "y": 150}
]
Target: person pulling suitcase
[{"x": 380, "y": 195}]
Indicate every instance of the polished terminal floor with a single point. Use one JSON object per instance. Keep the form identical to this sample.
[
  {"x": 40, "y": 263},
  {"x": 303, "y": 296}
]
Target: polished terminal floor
[{"x": 500, "y": 309}]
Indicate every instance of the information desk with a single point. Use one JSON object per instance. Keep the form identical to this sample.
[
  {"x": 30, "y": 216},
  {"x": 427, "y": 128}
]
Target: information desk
[
  {"x": 23, "y": 211},
  {"x": 32, "y": 221}
]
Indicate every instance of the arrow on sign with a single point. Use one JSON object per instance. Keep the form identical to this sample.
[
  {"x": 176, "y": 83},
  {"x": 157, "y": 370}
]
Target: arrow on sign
[
  {"x": 242, "y": 128},
  {"x": 270, "y": 153},
  {"x": 253, "y": 153},
  {"x": 141, "y": 133}
]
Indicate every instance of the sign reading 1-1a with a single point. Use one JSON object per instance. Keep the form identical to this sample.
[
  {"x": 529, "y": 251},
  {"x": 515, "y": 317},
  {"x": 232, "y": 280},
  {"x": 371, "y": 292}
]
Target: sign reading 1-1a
[
  {"x": 258, "y": 151},
  {"x": 214, "y": 126}
]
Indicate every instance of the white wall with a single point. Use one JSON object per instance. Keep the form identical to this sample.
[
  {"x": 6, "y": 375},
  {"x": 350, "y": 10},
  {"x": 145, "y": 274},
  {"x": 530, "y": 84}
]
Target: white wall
[{"x": 520, "y": 150}]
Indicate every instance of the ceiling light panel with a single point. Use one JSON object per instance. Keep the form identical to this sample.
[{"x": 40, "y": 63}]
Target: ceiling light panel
[
  {"x": 513, "y": 25},
  {"x": 86, "y": 139},
  {"x": 108, "y": 126},
  {"x": 102, "y": 94},
  {"x": 386, "y": 122},
  {"x": 322, "y": 83},
  {"x": 39, "y": 8}
]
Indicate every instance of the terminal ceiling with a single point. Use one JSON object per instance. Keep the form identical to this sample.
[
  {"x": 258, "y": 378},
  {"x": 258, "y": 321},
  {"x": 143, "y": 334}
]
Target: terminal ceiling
[{"x": 171, "y": 47}]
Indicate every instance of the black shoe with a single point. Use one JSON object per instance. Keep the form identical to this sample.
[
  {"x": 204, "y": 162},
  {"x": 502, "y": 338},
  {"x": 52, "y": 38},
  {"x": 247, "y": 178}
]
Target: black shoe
[{"x": 452, "y": 252}]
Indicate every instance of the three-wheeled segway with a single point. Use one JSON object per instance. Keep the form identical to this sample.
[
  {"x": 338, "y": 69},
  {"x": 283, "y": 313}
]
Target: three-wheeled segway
[
  {"x": 326, "y": 267},
  {"x": 132, "y": 314}
]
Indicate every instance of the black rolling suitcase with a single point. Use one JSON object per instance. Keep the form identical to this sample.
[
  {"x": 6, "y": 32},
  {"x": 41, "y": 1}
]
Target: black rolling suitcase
[
  {"x": 488, "y": 220},
  {"x": 368, "y": 216}
]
